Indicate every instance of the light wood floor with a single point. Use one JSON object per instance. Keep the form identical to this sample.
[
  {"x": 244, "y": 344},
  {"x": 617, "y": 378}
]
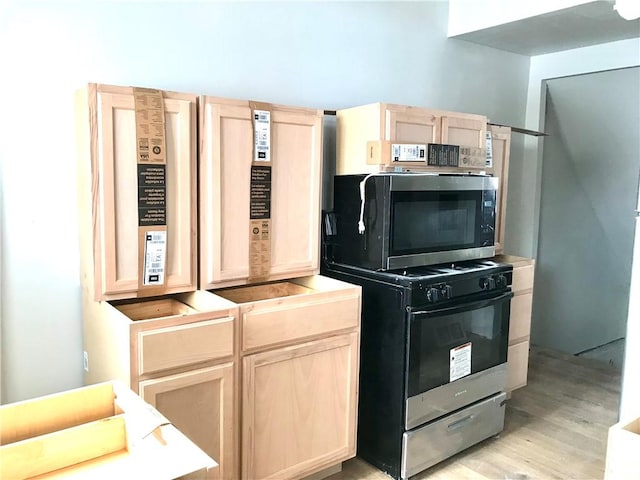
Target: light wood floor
[{"x": 555, "y": 428}]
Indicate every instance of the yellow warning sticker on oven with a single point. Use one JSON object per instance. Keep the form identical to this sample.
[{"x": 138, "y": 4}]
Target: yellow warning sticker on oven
[{"x": 460, "y": 361}]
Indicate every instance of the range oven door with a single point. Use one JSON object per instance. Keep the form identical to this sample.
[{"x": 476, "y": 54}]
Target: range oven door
[{"x": 457, "y": 356}]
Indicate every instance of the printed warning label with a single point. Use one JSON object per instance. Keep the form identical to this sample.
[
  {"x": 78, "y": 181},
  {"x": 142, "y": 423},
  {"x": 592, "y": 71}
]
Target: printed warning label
[{"x": 460, "y": 362}]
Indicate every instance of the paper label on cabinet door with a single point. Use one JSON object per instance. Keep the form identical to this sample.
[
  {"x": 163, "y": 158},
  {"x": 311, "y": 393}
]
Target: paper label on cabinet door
[
  {"x": 460, "y": 361},
  {"x": 259, "y": 248},
  {"x": 404, "y": 152},
  {"x": 149, "y": 112},
  {"x": 152, "y": 188},
  {"x": 489, "y": 140},
  {"x": 155, "y": 256},
  {"x": 262, "y": 135},
  {"x": 260, "y": 222}
]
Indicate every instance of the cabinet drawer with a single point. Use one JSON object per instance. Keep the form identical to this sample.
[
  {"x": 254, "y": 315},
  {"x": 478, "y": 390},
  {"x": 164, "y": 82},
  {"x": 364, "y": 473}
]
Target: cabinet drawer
[
  {"x": 520, "y": 317},
  {"x": 522, "y": 278},
  {"x": 286, "y": 323},
  {"x": 172, "y": 347},
  {"x": 517, "y": 365}
]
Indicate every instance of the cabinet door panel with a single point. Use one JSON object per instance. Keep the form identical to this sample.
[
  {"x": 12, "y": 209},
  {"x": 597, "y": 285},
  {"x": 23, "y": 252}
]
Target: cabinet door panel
[
  {"x": 225, "y": 171},
  {"x": 517, "y": 366},
  {"x": 200, "y": 404},
  {"x": 413, "y": 127},
  {"x": 466, "y": 132},
  {"x": 295, "y": 207},
  {"x": 117, "y": 250},
  {"x": 520, "y": 317},
  {"x": 501, "y": 145},
  {"x": 299, "y": 408}
]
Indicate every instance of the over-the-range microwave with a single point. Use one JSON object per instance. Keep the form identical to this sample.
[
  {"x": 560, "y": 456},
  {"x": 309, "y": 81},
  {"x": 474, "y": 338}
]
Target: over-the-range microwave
[{"x": 388, "y": 221}]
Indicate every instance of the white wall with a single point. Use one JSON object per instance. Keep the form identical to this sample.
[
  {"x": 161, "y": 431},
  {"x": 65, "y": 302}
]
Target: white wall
[
  {"x": 625, "y": 53},
  {"x": 326, "y": 55}
]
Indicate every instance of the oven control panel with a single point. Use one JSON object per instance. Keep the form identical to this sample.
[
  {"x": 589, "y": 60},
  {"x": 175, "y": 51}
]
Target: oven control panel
[
  {"x": 493, "y": 282},
  {"x": 425, "y": 293}
]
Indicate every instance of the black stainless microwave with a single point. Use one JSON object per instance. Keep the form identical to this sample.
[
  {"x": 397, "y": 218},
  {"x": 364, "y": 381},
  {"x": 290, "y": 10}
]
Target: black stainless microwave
[{"x": 388, "y": 221}]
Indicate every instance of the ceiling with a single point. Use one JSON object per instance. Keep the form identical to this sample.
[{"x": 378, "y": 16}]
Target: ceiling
[{"x": 580, "y": 26}]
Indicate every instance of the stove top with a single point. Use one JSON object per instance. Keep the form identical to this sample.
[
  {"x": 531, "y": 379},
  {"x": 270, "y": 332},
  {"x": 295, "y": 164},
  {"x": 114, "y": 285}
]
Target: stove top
[
  {"x": 440, "y": 283},
  {"x": 446, "y": 269}
]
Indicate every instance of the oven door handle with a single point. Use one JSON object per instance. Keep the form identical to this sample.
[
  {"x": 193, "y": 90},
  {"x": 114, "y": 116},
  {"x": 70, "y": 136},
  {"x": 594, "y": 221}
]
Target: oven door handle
[{"x": 466, "y": 306}]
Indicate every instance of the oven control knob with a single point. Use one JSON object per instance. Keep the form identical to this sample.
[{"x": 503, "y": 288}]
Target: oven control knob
[
  {"x": 446, "y": 291},
  {"x": 487, "y": 283},
  {"x": 433, "y": 294},
  {"x": 501, "y": 281}
]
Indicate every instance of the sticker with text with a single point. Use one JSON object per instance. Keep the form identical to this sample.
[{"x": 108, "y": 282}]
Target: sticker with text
[{"x": 460, "y": 361}]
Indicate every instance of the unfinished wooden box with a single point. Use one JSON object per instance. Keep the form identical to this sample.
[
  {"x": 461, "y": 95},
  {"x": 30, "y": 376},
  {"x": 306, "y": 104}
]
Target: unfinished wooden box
[
  {"x": 299, "y": 345},
  {"x": 226, "y": 158},
  {"x": 176, "y": 352},
  {"x": 99, "y": 431},
  {"x": 111, "y": 253}
]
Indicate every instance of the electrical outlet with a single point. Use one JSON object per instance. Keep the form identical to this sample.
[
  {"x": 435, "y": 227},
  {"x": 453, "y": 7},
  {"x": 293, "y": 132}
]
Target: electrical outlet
[{"x": 85, "y": 361}]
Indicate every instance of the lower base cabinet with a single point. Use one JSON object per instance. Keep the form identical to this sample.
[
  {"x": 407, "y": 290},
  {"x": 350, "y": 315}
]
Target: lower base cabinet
[
  {"x": 299, "y": 407},
  {"x": 200, "y": 404},
  {"x": 519, "y": 320}
]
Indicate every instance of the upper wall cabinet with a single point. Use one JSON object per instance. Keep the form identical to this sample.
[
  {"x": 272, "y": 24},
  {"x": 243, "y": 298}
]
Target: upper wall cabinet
[
  {"x": 402, "y": 124},
  {"x": 232, "y": 249},
  {"x": 137, "y": 220},
  {"x": 385, "y": 124}
]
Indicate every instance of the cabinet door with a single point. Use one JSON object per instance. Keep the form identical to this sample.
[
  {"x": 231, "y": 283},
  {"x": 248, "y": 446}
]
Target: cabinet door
[
  {"x": 225, "y": 172},
  {"x": 501, "y": 144},
  {"x": 413, "y": 125},
  {"x": 299, "y": 408},
  {"x": 517, "y": 366},
  {"x": 200, "y": 404},
  {"x": 296, "y": 171},
  {"x": 116, "y": 211},
  {"x": 227, "y": 153},
  {"x": 466, "y": 131}
]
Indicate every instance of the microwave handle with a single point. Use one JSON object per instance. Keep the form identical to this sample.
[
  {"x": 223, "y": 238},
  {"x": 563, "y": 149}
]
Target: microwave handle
[{"x": 464, "y": 307}]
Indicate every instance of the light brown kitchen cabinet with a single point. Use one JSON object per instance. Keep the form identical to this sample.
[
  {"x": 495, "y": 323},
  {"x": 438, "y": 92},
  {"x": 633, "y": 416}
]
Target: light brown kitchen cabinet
[
  {"x": 388, "y": 123},
  {"x": 500, "y": 147},
  {"x": 108, "y": 189},
  {"x": 299, "y": 408},
  {"x": 299, "y": 345},
  {"x": 402, "y": 124},
  {"x": 226, "y": 156},
  {"x": 178, "y": 353},
  {"x": 519, "y": 320},
  {"x": 200, "y": 403}
]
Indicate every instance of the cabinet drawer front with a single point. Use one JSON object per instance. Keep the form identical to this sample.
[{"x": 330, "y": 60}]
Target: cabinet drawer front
[
  {"x": 522, "y": 278},
  {"x": 517, "y": 365},
  {"x": 520, "y": 317},
  {"x": 174, "y": 347},
  {"x": 293, "y": 322}
]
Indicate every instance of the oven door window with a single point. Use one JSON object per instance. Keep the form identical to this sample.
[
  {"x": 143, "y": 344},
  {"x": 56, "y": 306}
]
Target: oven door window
[
  {"x": 435, "y": 221},
  {"x": 451, "y": 343}
]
